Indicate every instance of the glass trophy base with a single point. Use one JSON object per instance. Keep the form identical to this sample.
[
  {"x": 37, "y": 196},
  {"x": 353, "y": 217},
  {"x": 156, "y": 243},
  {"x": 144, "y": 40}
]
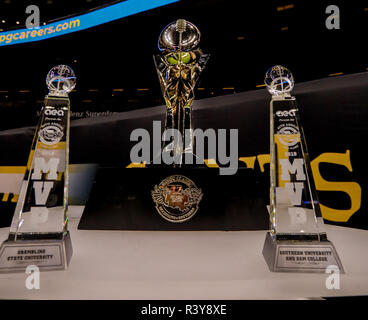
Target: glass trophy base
[
  {"x": 50, "y": 254},
  {"x": 289, "y": 226},
  {"x": 300, "y": 256}
]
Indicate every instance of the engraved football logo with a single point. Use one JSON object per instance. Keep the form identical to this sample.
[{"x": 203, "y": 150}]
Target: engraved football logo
[
  {"x": 288, "y": 135},
  {"x": 177, "y": 198},
  {"x": 51, "y": 134}
]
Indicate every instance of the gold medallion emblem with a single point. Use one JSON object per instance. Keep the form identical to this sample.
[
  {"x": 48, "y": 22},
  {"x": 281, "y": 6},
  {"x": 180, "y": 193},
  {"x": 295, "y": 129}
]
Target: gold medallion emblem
[{"x": 177, "y": 198}]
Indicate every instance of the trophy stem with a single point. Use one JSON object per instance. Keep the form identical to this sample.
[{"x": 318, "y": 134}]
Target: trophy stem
[{"x": 181, "y": 121}]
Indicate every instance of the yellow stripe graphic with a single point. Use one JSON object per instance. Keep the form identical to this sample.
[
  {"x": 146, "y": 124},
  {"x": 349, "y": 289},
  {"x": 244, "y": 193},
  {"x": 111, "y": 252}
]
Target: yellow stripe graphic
[{"x": 13, "y": 169}]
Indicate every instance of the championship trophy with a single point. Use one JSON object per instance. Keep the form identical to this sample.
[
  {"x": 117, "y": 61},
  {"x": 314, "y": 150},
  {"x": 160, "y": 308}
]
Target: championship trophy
[
  {"x": 297, "y": 240},
  {"x": 38, "y": 232},
  {"x": 178, "y": 67},
  {"x": 174, "y": 189}
]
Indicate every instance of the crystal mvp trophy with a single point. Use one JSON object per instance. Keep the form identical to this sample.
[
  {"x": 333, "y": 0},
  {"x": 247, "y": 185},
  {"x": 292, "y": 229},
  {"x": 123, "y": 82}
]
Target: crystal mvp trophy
[
  {"x": 297, "y": 241},
  {"x": 38, "y": 232}
]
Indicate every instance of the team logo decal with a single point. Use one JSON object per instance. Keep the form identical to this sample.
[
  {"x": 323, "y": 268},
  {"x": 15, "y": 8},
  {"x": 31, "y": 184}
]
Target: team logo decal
[
  {"x": 51, "y": 134},
  {"x": 177, "y": 198}
]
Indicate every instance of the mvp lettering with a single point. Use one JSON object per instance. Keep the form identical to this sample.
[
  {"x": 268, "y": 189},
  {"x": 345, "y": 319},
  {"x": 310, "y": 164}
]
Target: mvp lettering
[{"x": 41, "y": 187}]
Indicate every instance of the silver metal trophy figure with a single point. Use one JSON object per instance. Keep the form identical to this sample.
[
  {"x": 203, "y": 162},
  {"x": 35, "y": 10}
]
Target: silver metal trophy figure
[
  {"x": 179, "y": 66},
  {"x": 38, "y": 232},
  {"x": 297, "y": 241}
]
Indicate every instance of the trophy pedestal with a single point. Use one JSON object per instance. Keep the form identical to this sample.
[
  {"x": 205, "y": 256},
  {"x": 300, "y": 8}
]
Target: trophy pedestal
[
  {"x": 121, "y": 199},
  {"x": 50, "y": 254},
  {"x": 300, "y": 256}
]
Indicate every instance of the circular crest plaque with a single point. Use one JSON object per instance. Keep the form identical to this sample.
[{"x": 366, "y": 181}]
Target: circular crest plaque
[{"x": 177, "y": 198}]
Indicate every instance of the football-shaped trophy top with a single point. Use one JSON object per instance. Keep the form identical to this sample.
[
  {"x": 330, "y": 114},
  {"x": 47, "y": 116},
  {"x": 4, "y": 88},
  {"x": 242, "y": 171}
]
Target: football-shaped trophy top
[{"x": 180, "y": 35}]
